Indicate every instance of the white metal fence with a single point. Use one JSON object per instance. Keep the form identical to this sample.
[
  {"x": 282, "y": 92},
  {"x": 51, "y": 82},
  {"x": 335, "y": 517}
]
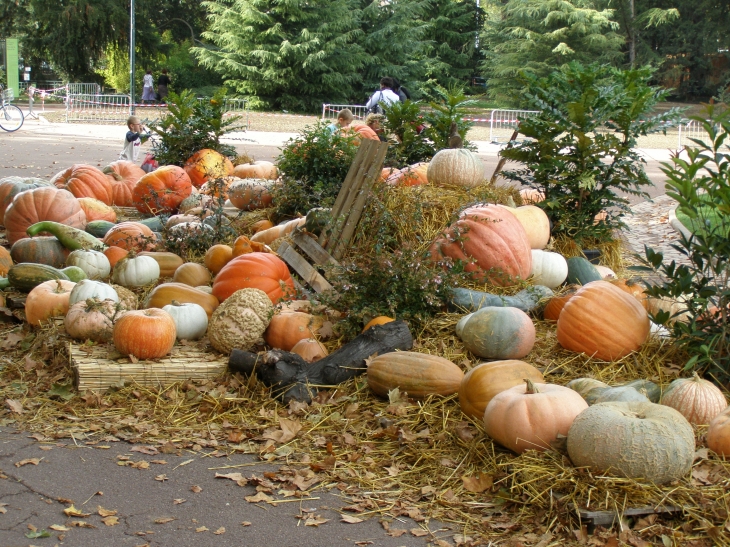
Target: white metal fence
[{"x": 329, "y": 111}]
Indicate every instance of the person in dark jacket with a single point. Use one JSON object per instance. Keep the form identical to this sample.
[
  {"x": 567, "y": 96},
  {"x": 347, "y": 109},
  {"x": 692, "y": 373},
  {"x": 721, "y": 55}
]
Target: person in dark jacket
[{"x": 402, "y": 92}]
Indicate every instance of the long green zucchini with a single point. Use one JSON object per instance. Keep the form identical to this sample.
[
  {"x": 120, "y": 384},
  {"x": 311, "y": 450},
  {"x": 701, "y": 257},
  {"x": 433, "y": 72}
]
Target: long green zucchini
[{"x": 70, "y": 237}]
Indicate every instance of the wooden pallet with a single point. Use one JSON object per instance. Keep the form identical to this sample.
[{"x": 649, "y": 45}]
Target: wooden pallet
[
  {"x": 607, "y": 518},
  {"x": 346, "y": 214},
  {"x": 100, "y": 367}
]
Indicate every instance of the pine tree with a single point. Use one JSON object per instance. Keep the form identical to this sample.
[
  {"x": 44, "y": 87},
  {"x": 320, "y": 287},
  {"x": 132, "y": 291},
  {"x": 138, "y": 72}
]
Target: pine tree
[
  {"x": 539, "y": 36},
  {"x": 291, "y": 54}
]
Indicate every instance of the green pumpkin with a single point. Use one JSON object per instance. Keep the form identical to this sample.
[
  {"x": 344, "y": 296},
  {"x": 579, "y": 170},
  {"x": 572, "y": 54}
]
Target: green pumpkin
[
  {"x": 498, "y": 333},
  {"x": 581, "y": 272},
  {"x": 99, "y": 228},
  {"x": 39, "y": 250}
]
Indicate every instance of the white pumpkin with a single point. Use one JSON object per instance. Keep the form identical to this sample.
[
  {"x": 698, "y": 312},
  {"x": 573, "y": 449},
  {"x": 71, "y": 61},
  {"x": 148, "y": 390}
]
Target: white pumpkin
[
  {"x": 136, "y": 272},
  {"x": 606, "y": 272},
  {"x": 185, "y": 230},
  {"x": 190, "y": 319},
  {"x": 548, "y": 269},
  {"x": 455, "y": 167},
  {"x": 88, "y": 288},
  {"x": 94, "y": 263}
]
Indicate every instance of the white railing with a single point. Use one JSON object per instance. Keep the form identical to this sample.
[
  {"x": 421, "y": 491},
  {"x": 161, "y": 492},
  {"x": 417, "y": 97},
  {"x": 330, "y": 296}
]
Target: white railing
[
  {"x": 329, "y": 111},
  {"x": 83, "y": 89},
  {"x": 503, "y": 122}
]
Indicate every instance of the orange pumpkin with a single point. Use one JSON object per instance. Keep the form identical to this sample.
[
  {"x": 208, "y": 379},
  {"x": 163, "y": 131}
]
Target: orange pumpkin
[
  {"x": 602, "y": 321},
  {"x": 379, "y": 320},
  {"x": 250, "y": 194},
  {"x": 192, "y": 274},
  {"x": 417, "y": 374},
  {"x": 362, "y": 131},
  {"x": 207, "y": 164},
  {"x": 146, "y": 334},
  {"x": 261, "y": 225},
  {"x": 263, "y": 271},
  {"x": 85, "y": 181},
  {"x": 97, "y": 210},
  {"x": 11, "y": 186},
  {"x": 718, "y": 434},
  {"x": 123, "y": 175},
  {"x": 5, "y": 261},
  {"x": 413, "y": 175},
  {"x": 47, "y": 300},
  {"x": 698, "y": 400},
  {"x": 256, "y": 170},
  {"x": 115, "y": 254},
  {"x": 490, "y": 241},
  {"x": 132, "y": 236},
  {"x": 162, "y": 190},
  {"x": 244, "y": 245},
  {"x": 556, "y": 304},
  {"x": 286, "y": 329},
  {"x": 45, "y": 203},
  {"x": 634, "y": 288},
  {"x": 164, "y": 294},
  {"x": 217, "y": 256},
  {"x": 310, "y": 350}
]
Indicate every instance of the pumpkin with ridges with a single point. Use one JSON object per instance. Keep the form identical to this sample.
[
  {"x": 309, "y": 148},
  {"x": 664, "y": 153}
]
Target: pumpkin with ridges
[
  {"x": 162, "y": 190},
  {"x": 207, "y": 164},
  {"x": 146, "y": 334},
  {"x": 263, "y": 271},
  {"x": 498, "y": 333},
  {"x": 123, "y": 176},
  {"x": 47, "y": 300},
  {"x": 164, "y": 294},
  {"x": 288, "y": 328},
  {"x": 718, "y": 434},
  {"x": 698, "y": 400},
  {"x": 417, "y": 374},
  {"x": 84, "y": 181},
  {"x": 45, "y": 203},
  {"x": 455, "y": 167}
]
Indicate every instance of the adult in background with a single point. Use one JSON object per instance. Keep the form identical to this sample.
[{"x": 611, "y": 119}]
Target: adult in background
[
  {"x": 162, "y": 85},
  {"x": 385, "y": 95},
  {"x": 402, "y": 92},
  {"x": 374, "y": 121},
  {"x": 148, "y": 88}
]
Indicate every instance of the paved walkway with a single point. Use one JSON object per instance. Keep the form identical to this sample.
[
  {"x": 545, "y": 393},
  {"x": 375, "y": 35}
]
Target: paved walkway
[{"x": 650, "y": 226}]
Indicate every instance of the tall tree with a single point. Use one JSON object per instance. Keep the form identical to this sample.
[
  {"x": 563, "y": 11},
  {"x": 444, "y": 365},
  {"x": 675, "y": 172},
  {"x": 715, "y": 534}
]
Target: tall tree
[
  {"x": 634, "y": 17},
  {"x": 538, "y": 36},
  {"x": 293, "y": 54}
]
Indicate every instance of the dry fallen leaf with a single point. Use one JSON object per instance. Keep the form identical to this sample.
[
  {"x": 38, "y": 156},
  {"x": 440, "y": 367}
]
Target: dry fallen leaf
[
  {"x": 140, "y": 464},
  {"x": 2, "y": 508},
  {"x": 14, "y": 406},
  {"x": 350, "y": 519},
  {"x": 105, "y": 512},
  {"x": 245, "y": 523},
  {"x": 73, "y": 512},
  {"x": 220, "y": 531},
  {"x": 144, "y": 449},
  {"x": 315, "y": 521},
  {"x": 110, "y": 521},
  {"x": 81, "y": 524},
  {"x": 195, "y": 488},
  {"x": 258, "y": 498},
  {"x": 178, "y": 501},
  {"x": 396, "y": 532},
  {"x": 201, "y": 529},
  {"x": 159, "y": 462},
  {"x": 479, "y": 483},
  {"x": 58, "y": 528},
  {"x": 289, "y": 430},
  {"x": 34, "y": 461},
  {"x": 161, "y": 478},
  {"x": 238, "y": 478},
  {"x": 164, "y": 520}
]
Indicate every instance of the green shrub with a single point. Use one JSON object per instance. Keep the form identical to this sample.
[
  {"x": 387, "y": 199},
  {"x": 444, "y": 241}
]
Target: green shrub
[
  {"x": 580, "y": 150},
  {"x": 701, "y": 184},
  {"x": 191, "y": 125},
  {"x": 313, "y": 167}
]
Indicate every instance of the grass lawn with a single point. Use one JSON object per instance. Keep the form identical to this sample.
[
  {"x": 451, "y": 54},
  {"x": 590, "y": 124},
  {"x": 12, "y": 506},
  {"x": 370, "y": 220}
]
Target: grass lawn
[{"x": 709, "y": 215}]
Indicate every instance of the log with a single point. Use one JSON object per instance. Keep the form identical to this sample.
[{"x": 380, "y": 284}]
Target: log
[{"x": 294, "y": 378}]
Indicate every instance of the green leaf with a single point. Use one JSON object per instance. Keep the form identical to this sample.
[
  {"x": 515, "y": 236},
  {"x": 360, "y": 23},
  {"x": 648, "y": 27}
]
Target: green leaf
[
  {"x": 35, "y": 534},
  {"x": 62, "y": 391}
]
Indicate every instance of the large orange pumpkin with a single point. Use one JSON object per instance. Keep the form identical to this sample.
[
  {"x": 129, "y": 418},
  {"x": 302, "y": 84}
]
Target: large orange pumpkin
[
  {"x": 603, "y": 321},
  {"x": 146, "y": 334},
  {"x": 256, "y": 170},
  {"x": 287, "y": 329},
  {"x": 207, "y": 164},
  {"x": 85, "y": 181},
  {"x": 132, "y": 236},
  {"x": 263, "y": 271},
  {"x": 556, "y": 304},
  {"x": 11, "y": 186},
  {"x": 97, "y": 210},
  {"x": 162, "y": 190},
  {"x": 413, "y": 175},
  {"x": 123, "y": 175},
  {"x": 5, "y": 261},
  {"x": 490, "y": 241},
  {"x": 417, "y": 374},
  {"x": 45, "y": 203}
]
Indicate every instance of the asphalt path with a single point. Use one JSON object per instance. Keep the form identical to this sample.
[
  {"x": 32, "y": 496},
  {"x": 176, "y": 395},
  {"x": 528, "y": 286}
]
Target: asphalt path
[{"x": 42, "y": 150}]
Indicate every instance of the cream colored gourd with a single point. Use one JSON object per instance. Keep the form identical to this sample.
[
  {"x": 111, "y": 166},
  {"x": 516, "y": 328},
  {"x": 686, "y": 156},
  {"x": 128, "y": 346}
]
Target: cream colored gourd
[
  {"x": 191, "y": 320},
  {"x": 136, "y": 272},
  {"x": 94, "y": 263},
  {"x": 535, "y": 222},
  {"x": 87, "y": 289},
  {"x": 548, "y": 269},
  {"x": 455, "y": 167}
]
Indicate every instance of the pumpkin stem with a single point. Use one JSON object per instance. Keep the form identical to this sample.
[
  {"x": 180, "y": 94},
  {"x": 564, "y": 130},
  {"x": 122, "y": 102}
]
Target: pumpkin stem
[
  {"x": 695, "y": 377},
  {"x": 531, "y": 387}
]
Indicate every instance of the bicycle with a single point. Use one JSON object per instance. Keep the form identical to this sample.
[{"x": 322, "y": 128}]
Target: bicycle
[{"x": 11, "y": 117}]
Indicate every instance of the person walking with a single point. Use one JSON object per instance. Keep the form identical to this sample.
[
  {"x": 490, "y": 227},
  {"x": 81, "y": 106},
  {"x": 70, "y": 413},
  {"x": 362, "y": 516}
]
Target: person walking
[
  {"x": 162, "y": 86},
  {"x": 402, "y": 92},
  {"x": 385, "y": 95},
  {"x": 148, "y": 88}
]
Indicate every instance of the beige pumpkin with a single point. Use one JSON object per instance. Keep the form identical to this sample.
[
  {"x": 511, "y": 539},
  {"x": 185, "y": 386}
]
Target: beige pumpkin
[
  {"x": 417, "y": 374},
  {"x": 698, "y": 400},
  {"x": 457, "y": 167},
  {"x": 535, "y": 222},
  {"x": 310, "y": 350}
]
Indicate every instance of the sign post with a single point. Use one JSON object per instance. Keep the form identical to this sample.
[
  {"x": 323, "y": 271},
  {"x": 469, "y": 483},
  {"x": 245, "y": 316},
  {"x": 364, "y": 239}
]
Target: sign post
[{"x": 11, "y": 62}]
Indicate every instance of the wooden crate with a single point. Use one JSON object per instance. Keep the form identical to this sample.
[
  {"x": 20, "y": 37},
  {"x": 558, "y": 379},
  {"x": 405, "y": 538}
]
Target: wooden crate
[{"x": 99, "y": 367}]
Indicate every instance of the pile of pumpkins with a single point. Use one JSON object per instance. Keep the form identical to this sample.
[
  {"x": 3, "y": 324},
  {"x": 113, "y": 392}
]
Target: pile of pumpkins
[{"x": 77, "y": 263}]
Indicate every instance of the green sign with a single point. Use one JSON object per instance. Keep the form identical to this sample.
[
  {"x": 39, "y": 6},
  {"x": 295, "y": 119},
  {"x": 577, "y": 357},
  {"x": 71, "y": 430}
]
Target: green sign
[{"x": 11, "y": 64}]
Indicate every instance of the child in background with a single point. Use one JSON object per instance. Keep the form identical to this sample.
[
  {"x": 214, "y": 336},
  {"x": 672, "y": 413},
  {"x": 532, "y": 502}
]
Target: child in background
[
  {"x": 134, "y": 139},
  {"x": 344, "y": 119}
]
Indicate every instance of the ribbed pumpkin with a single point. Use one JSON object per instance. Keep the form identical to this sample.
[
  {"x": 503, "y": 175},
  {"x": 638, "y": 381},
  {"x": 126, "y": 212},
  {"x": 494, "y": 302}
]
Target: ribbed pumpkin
[
  {"x": 556, "y": 304},
  {"x": 85, "y": 181},
  {"x": 217, "y": 256},
  {"x": 498, "y": 333},
  {"x": 549, "y": 269},
  {"x": 256, "y": 170},
  {"x": 123, "y": 175},
  {"x": 486, "y": 380},
  {"x": 531, "y": 416},
  {"x": 192, "y": 274},
  {"x": 115, "y": 254},
  {"x": 97, "y": 210},
  {"x": 146, "y": 334},
  {"x": 207, "y": 164},
  {"x": 11, "y": 186},
  {"x": 413, "y": 175},
  {"x": 132, "y": 236},
  {"x": 244, "y": 245},
  {"x": 536, "y": 224},
  {"x": 492, "y": 243},
  {"x": 91, "y": 319},
  {"x": 261, "y": 225},
  {"x": 455, "y": 167},
  {"x": 288, "y": 328},
  {"x": 164, "y": 294},
  {"x": 169, "y": 262},
  {"x": 40, "y": 250},
  {"x": 44, "y": 203},
  {"x": 698, "y": 400},
  {"x": 634, "y": 288},
  {"x": 602, "y": 321},
  {"x": 263, "y": 271},
  {"x": 5, "y": 261},
  {"x": 47, "y": 300},
  {"x": 162, "y": 190},
  {"x": 718, "y": 434},
  {"x": 251, "y": 194},
  {"x": 417, "y": 374},
  {"x": 634, "y": 440}
]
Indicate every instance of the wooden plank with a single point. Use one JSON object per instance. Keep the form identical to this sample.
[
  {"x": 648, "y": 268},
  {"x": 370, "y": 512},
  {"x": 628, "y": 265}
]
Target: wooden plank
[
  {"x": 355, "y": 211},
  {"x": 311, "y": 276},
  {"x": 603, "y": 518},
  {"x": 313, "y": 249}
]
